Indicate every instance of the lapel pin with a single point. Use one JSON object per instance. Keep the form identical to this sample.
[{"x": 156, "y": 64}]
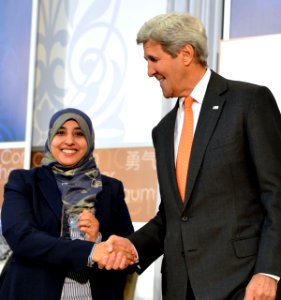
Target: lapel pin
[{"x": 215, "y": 107}]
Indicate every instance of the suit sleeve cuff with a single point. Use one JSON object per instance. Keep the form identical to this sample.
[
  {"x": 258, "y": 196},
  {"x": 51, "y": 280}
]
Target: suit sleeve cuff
[{"x": 90, "y": 261}]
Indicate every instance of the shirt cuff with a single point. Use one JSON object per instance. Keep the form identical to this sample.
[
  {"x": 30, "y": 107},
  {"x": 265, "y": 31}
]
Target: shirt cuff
[
  {"x": 137, "y": 255},
  {"x": 272, "y": 276}
]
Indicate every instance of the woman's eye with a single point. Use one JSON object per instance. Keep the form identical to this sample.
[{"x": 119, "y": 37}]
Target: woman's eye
[
  {"x": 79, "y": 133},
  {"x": 60, "y": 132}
]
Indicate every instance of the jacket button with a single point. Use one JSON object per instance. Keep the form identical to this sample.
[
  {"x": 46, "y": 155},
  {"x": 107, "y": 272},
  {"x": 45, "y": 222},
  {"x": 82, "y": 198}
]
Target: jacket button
[{"x": 184, "y": 218}]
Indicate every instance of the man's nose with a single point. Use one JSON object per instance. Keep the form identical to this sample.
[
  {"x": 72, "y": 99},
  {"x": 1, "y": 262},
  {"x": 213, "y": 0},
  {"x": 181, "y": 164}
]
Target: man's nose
[{"x": 150, "y": 70}]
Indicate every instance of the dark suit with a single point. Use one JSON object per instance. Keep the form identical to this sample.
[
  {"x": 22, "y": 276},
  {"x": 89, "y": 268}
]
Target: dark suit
[
  {"x": 229, "y": 226},
  {"x": 31, "y": 220}
]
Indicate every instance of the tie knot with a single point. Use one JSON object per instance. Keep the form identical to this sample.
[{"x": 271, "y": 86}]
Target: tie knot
[{"x": 188, "y": 102}]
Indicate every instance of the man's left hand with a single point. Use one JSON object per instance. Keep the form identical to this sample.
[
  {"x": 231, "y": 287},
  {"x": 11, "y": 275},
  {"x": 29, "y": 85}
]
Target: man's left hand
[{"x": 261, "y": 287}]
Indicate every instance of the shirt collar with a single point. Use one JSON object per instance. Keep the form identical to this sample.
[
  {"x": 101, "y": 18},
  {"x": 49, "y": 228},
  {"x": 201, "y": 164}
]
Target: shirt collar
[{"x": 199, "y": 90}]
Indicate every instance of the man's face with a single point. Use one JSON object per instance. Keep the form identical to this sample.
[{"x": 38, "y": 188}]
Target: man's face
[{"x": 168, "y": 70}]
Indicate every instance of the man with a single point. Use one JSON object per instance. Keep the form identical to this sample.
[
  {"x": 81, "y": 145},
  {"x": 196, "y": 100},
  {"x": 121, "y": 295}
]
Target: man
[{"x": 221, "y": 233}]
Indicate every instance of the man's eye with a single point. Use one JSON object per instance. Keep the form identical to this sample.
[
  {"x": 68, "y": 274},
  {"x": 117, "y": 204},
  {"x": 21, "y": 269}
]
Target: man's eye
[{"x": 152, "y": 59}]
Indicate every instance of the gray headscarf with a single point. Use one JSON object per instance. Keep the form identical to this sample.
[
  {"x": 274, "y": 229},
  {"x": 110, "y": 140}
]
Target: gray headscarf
[{"x": 79, "y": 184}]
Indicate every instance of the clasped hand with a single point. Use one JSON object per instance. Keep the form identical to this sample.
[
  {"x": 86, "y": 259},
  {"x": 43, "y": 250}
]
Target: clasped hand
[
  {"x": 89, "y": 225},
  {"x": 116, "y": 253}
]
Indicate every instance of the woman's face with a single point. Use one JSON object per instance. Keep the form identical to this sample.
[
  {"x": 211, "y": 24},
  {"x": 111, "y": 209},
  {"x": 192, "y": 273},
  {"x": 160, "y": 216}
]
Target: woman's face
[{"x": 69, "y": 144}]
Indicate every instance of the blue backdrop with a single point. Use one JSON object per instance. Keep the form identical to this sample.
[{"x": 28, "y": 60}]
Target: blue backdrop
[
  {"x": 15, "y": 28},
  {"x": 254, "y": 17}
]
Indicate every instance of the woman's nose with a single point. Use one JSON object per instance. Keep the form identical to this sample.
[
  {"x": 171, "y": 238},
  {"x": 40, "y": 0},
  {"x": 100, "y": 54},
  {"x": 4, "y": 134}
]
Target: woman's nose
[{"x": 69, "y": 139}]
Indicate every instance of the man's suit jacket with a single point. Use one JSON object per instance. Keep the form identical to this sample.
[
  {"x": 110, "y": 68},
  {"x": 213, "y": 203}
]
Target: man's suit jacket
[
  {"x": 229, "y": 226},
  {"x": 31, "y": 221}
]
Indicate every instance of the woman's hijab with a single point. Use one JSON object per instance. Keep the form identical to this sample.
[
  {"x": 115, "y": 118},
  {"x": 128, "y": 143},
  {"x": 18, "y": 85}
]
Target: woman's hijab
[{"x": 80, "y": 184}]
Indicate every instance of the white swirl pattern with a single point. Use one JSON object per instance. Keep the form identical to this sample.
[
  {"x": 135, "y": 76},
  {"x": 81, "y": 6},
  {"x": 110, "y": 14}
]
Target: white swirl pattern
[{"x": 81, "y": 62}]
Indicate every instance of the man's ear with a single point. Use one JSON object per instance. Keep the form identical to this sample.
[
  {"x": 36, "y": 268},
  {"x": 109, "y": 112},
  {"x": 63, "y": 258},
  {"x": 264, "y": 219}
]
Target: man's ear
[{"x": 188, "y": 54}]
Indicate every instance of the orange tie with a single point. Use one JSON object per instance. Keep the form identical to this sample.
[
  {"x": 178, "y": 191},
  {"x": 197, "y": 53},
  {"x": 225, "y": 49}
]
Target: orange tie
[{"x": 184, "y": 148}]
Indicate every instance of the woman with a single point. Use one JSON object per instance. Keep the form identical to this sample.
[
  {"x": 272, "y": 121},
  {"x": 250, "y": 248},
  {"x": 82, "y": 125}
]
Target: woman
[{"x": 53, "y": 215}]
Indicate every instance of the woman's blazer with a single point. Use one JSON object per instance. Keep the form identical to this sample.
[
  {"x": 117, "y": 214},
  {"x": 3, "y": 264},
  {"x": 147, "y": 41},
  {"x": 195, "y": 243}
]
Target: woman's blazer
[{"x": 31, "y": 221}]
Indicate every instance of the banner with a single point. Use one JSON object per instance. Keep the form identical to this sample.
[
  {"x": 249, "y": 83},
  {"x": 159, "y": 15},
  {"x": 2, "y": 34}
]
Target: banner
[{"x": 18, "y": 22}]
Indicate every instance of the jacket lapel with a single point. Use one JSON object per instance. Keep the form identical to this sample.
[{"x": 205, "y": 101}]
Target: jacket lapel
[
  {"x": 168, "y": 133},
  {"x": 49, "y": 189},
  {"x": 210, "y": 112}
]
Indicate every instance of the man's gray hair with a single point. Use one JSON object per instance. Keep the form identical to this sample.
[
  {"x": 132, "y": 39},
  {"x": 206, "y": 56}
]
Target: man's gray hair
[{"x": 175, "y": 30}]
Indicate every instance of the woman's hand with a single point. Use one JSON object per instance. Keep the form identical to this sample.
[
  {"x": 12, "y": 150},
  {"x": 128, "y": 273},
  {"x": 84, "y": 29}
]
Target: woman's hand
[{"x": 89, "y": 225}]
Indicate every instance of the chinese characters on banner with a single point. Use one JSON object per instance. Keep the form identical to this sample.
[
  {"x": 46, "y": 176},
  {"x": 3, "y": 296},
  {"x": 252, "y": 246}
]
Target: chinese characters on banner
[{"x": 135, "y": 167}]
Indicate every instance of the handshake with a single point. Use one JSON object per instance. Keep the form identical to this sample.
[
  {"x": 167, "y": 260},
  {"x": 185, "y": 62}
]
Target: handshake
[{"x": 116, "y": 253}]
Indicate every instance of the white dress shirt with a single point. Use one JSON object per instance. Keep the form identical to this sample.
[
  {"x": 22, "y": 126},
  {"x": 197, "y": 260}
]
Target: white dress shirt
[{"x": 197, "y": 94}]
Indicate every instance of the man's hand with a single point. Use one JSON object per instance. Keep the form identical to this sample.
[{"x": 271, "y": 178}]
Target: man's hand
[
  {"x": 261, "y": 287},
  {"x": 116, "y": 253}
]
